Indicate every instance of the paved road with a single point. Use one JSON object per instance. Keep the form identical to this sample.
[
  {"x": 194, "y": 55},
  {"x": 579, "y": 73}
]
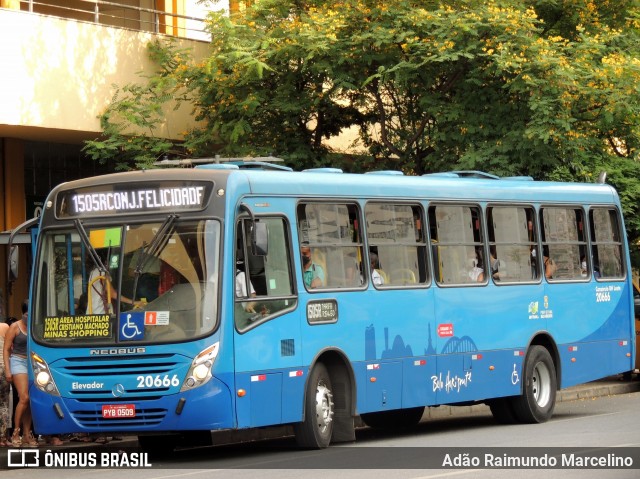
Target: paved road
[{"x": 610, "y": 419}]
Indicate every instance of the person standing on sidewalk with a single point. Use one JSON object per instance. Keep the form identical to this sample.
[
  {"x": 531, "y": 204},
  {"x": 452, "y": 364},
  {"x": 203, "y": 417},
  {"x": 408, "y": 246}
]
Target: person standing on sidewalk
[
  {"x": 5, "y": 417},
  {"x": 15, "y": 370}
]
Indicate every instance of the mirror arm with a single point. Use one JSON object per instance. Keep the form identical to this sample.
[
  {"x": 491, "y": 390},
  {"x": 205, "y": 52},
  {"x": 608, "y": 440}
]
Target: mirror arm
[
  {"x": 10, "y": 246},
  {"x": 245, "y": 207}
]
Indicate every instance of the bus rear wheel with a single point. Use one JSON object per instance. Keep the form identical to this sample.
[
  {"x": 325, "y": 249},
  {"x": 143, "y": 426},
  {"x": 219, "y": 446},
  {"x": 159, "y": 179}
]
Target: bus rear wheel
[
  {"x": 317, "y": 428},
  {"x": 396, "y": 419},
  {"x": 538, "y": 399}
]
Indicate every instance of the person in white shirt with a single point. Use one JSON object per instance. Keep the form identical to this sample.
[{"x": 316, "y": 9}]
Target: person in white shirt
[
  {"x": 376, "y": 277},
  {"x": 476, "y": 272},
  {"x": 241, "y": 288}
]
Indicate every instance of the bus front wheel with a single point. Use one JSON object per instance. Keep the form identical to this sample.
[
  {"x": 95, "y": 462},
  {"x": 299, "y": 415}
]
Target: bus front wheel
[
  {"x": 317, "y": 428},
  {"x": 538, "y": 399}
]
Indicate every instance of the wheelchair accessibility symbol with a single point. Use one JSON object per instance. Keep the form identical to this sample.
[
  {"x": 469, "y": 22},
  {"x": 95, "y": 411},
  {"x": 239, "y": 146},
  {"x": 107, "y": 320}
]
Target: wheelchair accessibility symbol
[{"x": 132, "y": 328}]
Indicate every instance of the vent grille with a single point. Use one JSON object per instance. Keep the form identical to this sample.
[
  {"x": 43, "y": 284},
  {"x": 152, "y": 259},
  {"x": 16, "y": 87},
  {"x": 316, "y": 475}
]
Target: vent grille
[
  {"x": 109, "y": 369},
  {"x": 118, "y": 365},
  {"x": 287, "y": 347}
]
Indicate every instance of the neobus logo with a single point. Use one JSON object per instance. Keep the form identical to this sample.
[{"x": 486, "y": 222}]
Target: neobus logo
[{"x": 116, "y": 351}]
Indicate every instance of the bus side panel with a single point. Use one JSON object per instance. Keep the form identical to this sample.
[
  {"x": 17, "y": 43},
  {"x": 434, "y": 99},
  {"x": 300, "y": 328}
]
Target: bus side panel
[
  {"x": 585, "y": 362},
  {"x": 384, "y": 386},
  {"x": 271, "y": 374},
  {"x": 417, "y": 381},
  {"x": 481, "y": 336},
  {"x": 381, "y": 338},
  {"x": 591, "y": 325}
]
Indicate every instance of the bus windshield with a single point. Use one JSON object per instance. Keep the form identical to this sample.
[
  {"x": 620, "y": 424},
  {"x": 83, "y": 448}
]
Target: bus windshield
[{"x": 138, "y": 283}]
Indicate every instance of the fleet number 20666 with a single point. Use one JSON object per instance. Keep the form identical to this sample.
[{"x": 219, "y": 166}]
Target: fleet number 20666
[{"x": 157, "y": 381}]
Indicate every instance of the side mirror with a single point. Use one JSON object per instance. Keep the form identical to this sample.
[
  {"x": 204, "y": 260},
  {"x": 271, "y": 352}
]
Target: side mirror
[{"x": 259, "y": 239}]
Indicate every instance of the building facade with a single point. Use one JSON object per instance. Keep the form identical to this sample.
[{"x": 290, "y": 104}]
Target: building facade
[{"x": 58, "y": 64}]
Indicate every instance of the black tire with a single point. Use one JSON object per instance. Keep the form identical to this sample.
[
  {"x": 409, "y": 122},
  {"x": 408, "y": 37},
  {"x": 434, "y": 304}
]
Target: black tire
[
  {"x": 502, "y": 410},
  {"x": 393, "y": 420},
  {"x": 538, "y": 399},
  {"x": 317, "y": 428}
]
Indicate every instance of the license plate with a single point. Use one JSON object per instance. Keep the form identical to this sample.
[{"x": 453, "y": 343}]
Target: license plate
[{"x": 117, "y": 411}]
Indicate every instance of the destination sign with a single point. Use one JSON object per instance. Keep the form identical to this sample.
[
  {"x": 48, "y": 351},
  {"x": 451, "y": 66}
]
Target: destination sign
[
  {"x": 128, "y": 198},
  {"x": 90, "y": 326}
]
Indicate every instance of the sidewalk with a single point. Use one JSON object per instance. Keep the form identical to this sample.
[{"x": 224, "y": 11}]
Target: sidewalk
[{"x": 610, "y": 386}]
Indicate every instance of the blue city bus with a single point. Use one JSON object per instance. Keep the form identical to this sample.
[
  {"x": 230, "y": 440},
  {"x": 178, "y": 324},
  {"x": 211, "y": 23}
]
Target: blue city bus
[{"x": 170, "y": 303}]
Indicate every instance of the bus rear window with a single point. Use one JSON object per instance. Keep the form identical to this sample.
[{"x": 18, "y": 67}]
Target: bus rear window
[{"x": 606, "y": 243}]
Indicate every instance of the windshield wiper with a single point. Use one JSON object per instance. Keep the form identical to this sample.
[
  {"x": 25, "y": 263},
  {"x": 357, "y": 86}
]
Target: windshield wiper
[
  {"x": 149, "y": 252},
  {"x": 95, "y": 257}
]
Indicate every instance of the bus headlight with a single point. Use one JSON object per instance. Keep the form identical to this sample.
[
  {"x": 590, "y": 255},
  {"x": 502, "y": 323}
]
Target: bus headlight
[
  {"x": 42, "y": 375},
  {"x": 200, "y": 370}
]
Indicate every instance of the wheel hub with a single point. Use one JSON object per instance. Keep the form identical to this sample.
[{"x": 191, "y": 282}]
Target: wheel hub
[{"x": 324, "y": 407}]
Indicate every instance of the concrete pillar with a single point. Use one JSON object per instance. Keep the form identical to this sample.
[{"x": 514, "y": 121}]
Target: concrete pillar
[{"x": 13, "y": 214}]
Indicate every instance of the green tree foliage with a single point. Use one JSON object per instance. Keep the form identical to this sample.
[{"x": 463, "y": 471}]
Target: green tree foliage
[{"x": 547, "y": 88}]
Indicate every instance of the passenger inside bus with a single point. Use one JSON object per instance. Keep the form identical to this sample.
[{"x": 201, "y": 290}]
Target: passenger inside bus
[
  {"x": 241, "y": 286},
  {"x": 101, "y": 293},
  {"x": 494, "y": 263},
  {"x": 549, "y": 265},
  {"x": 377, "y": 275},
  {"x": 312, "y": 272},
  {"x": 474, "y": 263}
]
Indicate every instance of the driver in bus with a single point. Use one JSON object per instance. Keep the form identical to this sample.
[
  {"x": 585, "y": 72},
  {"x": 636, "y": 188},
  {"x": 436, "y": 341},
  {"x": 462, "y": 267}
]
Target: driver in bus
[
  {"x": 241, "y": 287},
  {"x": 101, "y": 292}
]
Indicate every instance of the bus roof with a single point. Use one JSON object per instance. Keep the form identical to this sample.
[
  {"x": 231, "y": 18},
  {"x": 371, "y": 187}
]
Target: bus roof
[
  {"x": 472, "y": 188},
  {"x": 331, "y": 182}
]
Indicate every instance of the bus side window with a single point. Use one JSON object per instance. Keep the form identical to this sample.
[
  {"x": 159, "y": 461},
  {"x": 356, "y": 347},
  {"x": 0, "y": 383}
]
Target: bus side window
[
  {"x": 397, "y": 242},
  {"x": 606, "y": 244},
  {"x": 563, "y": 242},
  {"x": 457, "y": 244},
  {"x": 330, "y": 234},
  {"x": 511, "y": 243}
]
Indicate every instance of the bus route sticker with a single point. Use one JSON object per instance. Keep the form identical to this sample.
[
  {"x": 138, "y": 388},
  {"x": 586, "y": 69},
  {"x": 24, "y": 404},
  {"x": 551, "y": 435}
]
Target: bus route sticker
[
  {"x": 445, "y": 330},
  {"x": 89, "y": 326},
  {"x": 156, "y": 318},
  {"x": 322, "y": 311}
]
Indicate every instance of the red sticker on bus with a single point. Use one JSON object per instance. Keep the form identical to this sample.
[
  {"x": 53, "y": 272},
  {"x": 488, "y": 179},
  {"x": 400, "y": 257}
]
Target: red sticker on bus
[
  {"x": 118, "y": 411},
  {"x": 445, "y": 330}
]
